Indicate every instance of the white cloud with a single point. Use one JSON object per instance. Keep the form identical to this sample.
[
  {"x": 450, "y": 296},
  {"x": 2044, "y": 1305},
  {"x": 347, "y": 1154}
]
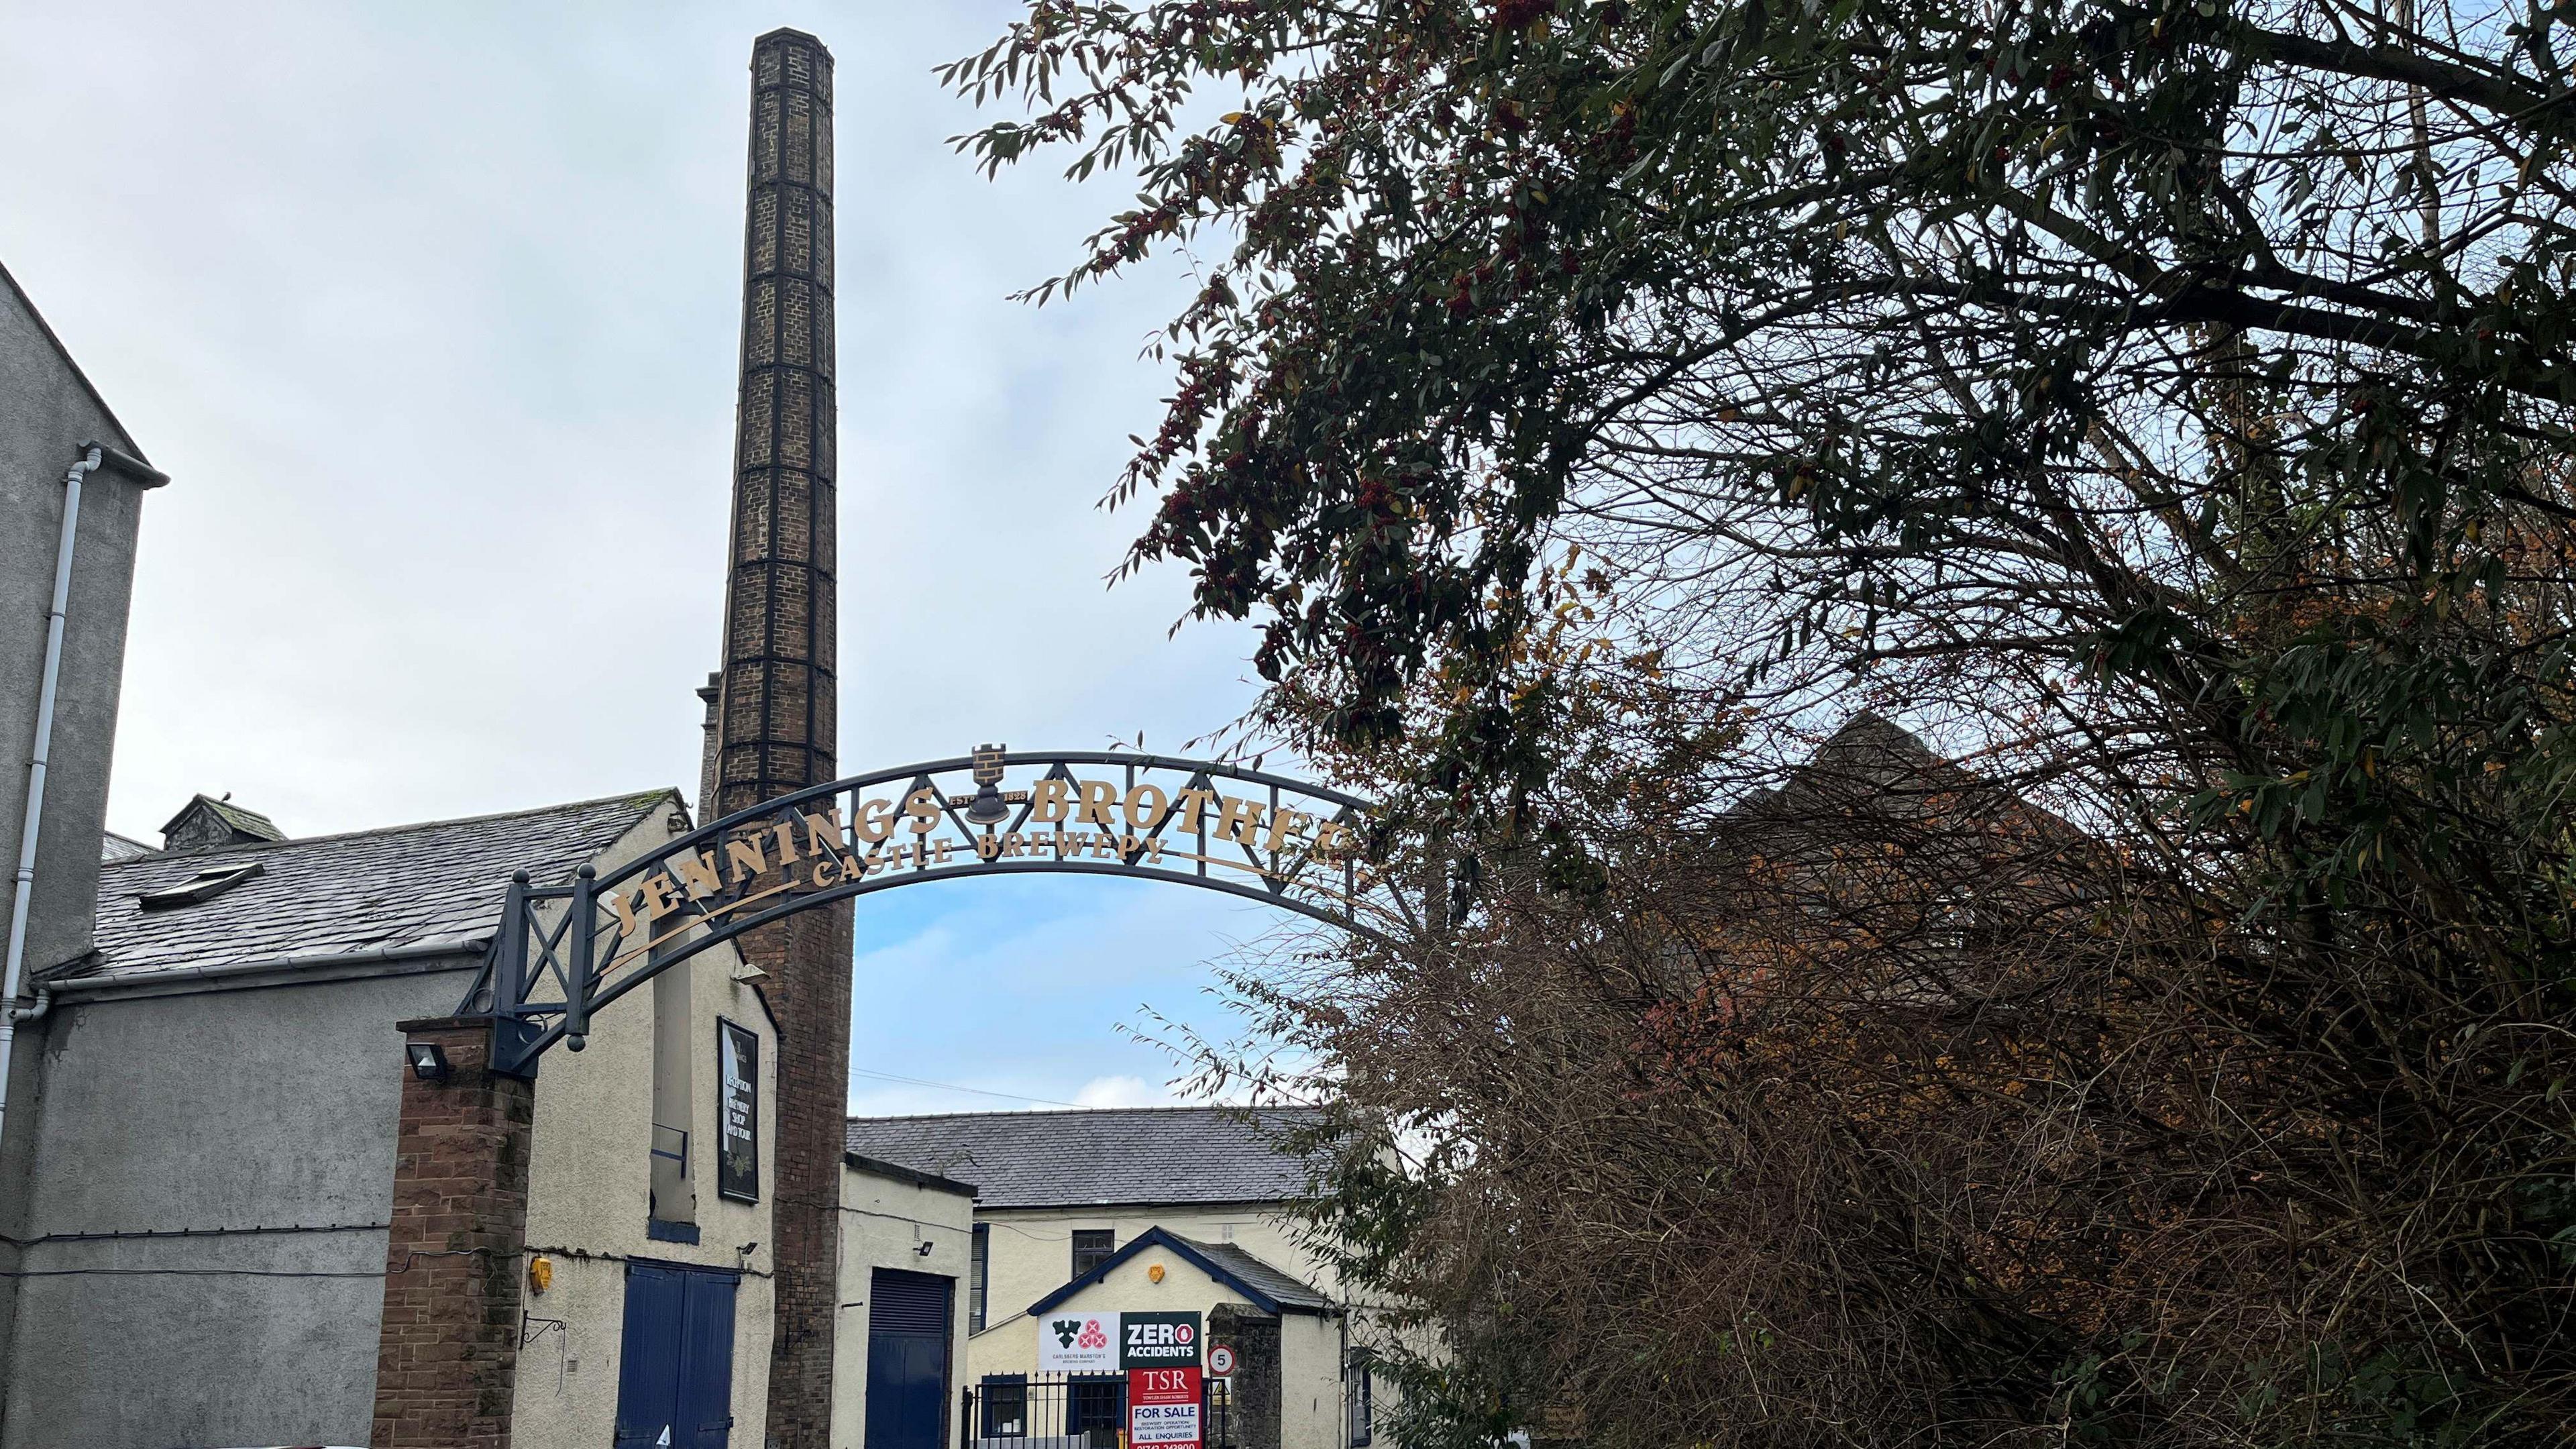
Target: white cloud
[{"x": 1123, "y": 1092}]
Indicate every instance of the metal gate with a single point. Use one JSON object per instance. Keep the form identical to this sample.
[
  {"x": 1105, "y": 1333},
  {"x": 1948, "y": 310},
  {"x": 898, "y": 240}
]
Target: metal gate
[{"x": 1070, "y": 1411}]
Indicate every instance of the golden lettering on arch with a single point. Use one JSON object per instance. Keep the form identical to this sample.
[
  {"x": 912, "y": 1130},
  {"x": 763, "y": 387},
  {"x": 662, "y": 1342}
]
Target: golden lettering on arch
[
  {"x": 746, "y": 858},
  {"x": 1180, "y": 825},
  {"x": 699, "y": 875}
]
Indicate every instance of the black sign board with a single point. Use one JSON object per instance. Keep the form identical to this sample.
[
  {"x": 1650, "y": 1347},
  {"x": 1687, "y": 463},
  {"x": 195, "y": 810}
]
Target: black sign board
[
  {"x": 737, "y": 1112},
  {"x": 1158, "y": 1340}
]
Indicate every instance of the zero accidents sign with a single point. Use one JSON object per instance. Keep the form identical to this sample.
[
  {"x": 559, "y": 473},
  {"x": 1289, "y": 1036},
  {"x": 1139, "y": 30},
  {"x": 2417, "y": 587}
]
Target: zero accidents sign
[{"x": 1158, "y": 1340}]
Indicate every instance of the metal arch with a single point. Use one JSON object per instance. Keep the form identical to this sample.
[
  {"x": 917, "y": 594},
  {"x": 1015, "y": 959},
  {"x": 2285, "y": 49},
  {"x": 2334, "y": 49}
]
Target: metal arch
[
  {"x": 718, "y": 828},
  {"x": 554, "y": 933}
]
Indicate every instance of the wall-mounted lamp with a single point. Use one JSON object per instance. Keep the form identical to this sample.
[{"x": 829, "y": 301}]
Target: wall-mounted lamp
[
  {"x": 924, "y": 1249},
  {"x": 428, "y": 1060}
]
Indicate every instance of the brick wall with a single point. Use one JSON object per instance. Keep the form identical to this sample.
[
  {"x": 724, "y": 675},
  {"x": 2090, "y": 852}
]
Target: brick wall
[
  {"x": 448, "y": 1349},
  {"x": 776, "y": 723}
]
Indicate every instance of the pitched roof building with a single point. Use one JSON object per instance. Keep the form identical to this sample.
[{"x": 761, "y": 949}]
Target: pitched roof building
[
  {"x": 1103, "y": 1156},
  {"x": 431, "y": 888},
  {"x": 219, "y": 1105},
  {"x": 1086, "y": 1213}
]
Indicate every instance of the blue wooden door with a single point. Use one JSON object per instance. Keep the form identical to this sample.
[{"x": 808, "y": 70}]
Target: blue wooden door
[
  {"x": 908, "y": 1324},
  {"x": 706, "y": 1361},
  {"x": 675, "y": 1366}
]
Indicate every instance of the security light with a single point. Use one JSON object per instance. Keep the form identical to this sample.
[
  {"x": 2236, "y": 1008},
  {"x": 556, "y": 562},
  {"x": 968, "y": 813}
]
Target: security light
[{"x": 428, "y": 1060}]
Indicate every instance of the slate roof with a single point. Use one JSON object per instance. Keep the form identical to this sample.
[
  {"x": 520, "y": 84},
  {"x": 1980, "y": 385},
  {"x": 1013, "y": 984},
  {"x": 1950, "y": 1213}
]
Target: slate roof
[
  {"x": 112, "y": 846},
  {"x": 1110, "y": 1155},
  {"x": 1270, "y": 1290},
  {"x": 402, "y": 886},
  {"x": 1285, "y": 1287}
]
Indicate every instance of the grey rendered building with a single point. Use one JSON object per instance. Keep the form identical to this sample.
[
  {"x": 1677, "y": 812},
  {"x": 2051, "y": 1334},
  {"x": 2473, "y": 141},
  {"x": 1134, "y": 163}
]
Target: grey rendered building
[
  {"x": 51, "y": 418},
  {"x": 207, "y": 1091},
  {"x": 211, "y": 1158}
]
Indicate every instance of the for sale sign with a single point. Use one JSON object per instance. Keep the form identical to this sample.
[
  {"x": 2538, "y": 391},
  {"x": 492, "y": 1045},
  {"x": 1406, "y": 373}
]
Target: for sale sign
[
  {"x": 1077, "y": 1342},
  {"x": 1163, "y": 1406},
  {"x": 1158, "y": 1340}
]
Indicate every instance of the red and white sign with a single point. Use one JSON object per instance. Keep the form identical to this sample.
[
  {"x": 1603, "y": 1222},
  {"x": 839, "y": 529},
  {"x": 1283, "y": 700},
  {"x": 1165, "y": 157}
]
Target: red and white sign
[
  {"x": 1077, "y": 1342},
  {"x": 1163, "y": 1407},
  {"x": 1221, "y": 1360}
]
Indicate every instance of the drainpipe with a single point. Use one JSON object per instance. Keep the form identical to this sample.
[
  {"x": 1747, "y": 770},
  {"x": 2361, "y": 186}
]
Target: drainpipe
[{"x": 93, "y": 457}]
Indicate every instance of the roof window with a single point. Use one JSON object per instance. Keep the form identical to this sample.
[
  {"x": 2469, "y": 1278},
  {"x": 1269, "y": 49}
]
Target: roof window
[{"x": 204, "y": 886}]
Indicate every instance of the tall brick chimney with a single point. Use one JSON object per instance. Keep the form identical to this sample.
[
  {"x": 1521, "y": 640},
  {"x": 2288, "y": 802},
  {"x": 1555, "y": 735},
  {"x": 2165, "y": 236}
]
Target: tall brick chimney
[{"x": 776, "y": 715}]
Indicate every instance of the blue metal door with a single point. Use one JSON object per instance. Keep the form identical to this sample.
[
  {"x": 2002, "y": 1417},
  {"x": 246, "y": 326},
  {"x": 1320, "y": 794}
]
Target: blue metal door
[
  {"x": 908, "y": 1326},
  {"x": 675, "y": 1367}
]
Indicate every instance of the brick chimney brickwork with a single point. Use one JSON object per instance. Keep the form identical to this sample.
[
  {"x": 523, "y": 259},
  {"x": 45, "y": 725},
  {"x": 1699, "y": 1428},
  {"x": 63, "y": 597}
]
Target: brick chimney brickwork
[
  {"x": 447, "y": 1350},
  {"x": 776, "y": 724}
]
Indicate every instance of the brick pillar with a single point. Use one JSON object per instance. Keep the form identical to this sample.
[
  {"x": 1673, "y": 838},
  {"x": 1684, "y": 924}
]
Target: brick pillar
[
  {"x": 447, "y": 1355},
  {"x": 776, "y": 718}
]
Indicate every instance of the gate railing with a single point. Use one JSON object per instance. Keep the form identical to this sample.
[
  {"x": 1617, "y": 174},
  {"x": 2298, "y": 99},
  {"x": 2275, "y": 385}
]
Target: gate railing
[{"x": 1070, "y": 1411}]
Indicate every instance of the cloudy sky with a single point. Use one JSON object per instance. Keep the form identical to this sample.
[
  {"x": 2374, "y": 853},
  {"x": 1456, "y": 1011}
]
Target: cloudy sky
[{"x": 431, "y": 310}]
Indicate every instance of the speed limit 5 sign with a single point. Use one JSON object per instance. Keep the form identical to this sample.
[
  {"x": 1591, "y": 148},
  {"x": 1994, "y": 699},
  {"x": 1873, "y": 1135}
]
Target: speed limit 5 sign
[{"x": 1220, "y": 1360}]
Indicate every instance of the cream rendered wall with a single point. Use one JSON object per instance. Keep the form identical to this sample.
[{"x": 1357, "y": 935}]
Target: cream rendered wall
[
  {"x": 1310, "y": 1344},
  {"x": 884, "y": 1222},
  {"x": 1031, "y": 1253},
  {"x": 1311, "y": 1412},
  {"x": 590, "y": 1191}
]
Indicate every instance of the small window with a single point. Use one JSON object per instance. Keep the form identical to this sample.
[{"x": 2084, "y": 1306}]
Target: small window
[
  {"x": 1092, "y": 1247},
  {"x": 674, "y": 1197},
  {"x": 979, "y": 1270},
  {"x": 1006, "y": 1407},
  {"x": 1095, "y": 1406},
  {"x": 1362, "y": 1400}
]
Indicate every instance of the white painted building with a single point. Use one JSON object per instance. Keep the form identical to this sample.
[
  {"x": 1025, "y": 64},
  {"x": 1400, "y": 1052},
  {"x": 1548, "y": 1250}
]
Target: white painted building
[
  {"x": 1130, "y": 1210},
  {"x": 906, "y": 1251}
]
